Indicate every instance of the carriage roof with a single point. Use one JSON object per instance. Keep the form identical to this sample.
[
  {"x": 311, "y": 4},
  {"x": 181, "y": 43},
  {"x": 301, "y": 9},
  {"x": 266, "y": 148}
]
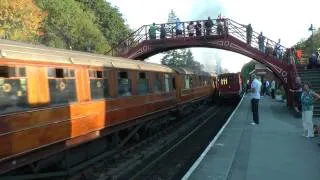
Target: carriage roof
[
  {"x": 188, "y": 71},
  {"x": 40, "y": 53}
]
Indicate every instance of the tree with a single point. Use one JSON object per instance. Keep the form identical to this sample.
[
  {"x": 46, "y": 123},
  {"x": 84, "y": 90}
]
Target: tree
[
  {"x": 190, "y": 62},
  {"x": 108, "y": 19},
  {"x": 173, "y": 58},
  {"x": 309, "y": 45},
  {"x": 172, "y": 18},
  {"x": 246, "y": 69},
  {"x": 20, "y": 20},
  {"x": 68, "y": 25},
  {"x": 181, "y": 58}
]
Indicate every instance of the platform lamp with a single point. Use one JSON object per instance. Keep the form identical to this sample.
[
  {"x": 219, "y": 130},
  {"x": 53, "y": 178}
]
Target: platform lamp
[{"x": 311, "y": 28}]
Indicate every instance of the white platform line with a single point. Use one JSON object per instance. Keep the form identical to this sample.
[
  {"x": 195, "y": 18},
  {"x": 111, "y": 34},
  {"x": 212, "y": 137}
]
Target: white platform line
[{"x": 198, "y": 161}]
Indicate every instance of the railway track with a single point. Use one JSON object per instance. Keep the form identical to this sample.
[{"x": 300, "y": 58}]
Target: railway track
[
  {"x": 166, "y": 155},
  {"x": 175, "y": 161}
]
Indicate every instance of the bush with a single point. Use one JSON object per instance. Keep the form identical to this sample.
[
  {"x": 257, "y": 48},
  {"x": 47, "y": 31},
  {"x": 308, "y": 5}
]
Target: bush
[{"x": 278, "y": 92}]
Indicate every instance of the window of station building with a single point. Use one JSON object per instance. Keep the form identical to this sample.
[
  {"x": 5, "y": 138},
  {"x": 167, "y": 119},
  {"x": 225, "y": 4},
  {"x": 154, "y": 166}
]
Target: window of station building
[
  {"x": 98, "y": 84},
  {"x": 124, "y": 84},
  {"x": 62, "y": 85},
  {"x": 157, "y": 84},
  {"x": 13, "y": 89},
  {"x": 142, "y": 83}
]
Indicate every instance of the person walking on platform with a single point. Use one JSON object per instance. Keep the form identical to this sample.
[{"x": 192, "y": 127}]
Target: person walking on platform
[
  {"x": 255, "y": 97},
  {"x": 297, "y": 94},
  {"x": 267, "y": 87},
  {"x": 308, "y": 96},
  {"x": 273, "y": 89},
  {"x": 248, "y": 86}
]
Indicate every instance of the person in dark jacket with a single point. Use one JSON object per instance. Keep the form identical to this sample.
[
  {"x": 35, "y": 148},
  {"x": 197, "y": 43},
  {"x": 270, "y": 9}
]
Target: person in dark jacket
[
  {"x": 198, "y": 28},
  {"x": 162, "y": 31},
  {"x": 297, "y": 94},
  {"x": 208, "y": 25},
  {"x": 249, "y": 33}
]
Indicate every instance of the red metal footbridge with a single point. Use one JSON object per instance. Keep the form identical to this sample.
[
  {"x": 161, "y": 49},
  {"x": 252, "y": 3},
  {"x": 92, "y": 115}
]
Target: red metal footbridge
[{"x": 224, "y": 34}]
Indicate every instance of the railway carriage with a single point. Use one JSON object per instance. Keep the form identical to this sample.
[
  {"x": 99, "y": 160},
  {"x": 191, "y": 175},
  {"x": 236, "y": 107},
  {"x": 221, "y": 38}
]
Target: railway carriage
[
  {"x": 229, "y": 86},
  {"x": 53, "y": 100},
  {"x": 193, "y": 86}
]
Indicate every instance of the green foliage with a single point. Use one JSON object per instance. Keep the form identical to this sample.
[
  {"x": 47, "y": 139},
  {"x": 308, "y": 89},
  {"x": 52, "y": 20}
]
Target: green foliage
[
  {"x": 246, "y": 69},
  {"x": 309, "y": 45},
  {"x": 181, "y": 58},
  {"x": 69, "y": 26},
  {"x": 278, "y": 92},
  {"x": 108, "y": 19},
  {"x": 20, "y": 20}
]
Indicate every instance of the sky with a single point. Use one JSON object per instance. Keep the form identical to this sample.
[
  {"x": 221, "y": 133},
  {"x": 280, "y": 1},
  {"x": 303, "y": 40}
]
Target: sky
[{"x": 288, "y": 20}]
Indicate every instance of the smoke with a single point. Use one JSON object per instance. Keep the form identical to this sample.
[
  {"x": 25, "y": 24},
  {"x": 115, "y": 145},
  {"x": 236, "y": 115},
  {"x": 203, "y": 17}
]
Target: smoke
[{"x": 201, "y": 9}]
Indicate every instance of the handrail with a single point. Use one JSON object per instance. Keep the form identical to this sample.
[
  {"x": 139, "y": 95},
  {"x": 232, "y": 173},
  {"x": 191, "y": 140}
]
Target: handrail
[{"x": 221, "y": 26}]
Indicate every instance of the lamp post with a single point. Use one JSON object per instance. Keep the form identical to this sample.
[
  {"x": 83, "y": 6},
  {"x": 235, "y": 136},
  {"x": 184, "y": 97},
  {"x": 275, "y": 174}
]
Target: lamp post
[{"x": 311, "y": 28}]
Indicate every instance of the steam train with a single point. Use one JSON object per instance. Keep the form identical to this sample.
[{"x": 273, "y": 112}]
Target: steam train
[
  {"x": 54, "y": 100},
  {"x": 229, "y": 86}
]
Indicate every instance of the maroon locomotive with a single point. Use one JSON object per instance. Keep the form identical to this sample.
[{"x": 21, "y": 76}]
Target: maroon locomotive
[{"x": 229, "y": 85}]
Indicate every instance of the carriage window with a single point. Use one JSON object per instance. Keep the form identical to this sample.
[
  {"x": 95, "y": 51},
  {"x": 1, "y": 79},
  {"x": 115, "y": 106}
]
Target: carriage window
[
  {"x": 98, "y": 84},
  {"x": 187, "y": 82},
  {"x": 231, "y": 79},
  {"x": 174, "y": 83},
  {"x": 4, "y": 71},
  {"x": 167, "y": 82},
  {"x": 13, "y": 89},
  {"x": 206, "y": 80},
  {"x": 224, "y": 81},
  {"x": 142, "y": 83},
  {"x": 157, "y": 83},
  {"x": 124, "y": 84},
  {"x": 198, "y": 81},
  {"x": 62, "y": 85}
]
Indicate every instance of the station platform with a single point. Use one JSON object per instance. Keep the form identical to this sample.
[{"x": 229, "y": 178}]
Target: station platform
[{"x": 274, "y": 149}]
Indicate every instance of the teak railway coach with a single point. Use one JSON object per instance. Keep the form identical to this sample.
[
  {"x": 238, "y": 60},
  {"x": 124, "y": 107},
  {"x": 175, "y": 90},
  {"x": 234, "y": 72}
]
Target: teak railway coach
[{"x": 53, "y": 99}]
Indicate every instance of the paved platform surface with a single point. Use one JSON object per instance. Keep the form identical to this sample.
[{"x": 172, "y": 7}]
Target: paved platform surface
[{"x": 273, "y": 150}]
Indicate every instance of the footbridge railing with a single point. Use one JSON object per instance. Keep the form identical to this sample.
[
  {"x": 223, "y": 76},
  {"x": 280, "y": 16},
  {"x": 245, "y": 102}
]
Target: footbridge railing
[{"x": 220, "y": 27}]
